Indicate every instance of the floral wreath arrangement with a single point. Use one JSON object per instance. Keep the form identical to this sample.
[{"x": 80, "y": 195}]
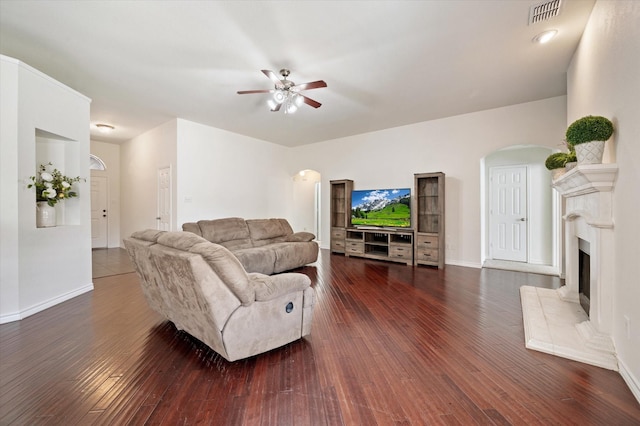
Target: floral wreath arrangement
[{"x": 52, "y": 186}]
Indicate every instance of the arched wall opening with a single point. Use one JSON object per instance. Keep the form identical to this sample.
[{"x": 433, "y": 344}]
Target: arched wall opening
[
  {"x": 542, "y": 213},
  {"x": 306, "y": 202}
]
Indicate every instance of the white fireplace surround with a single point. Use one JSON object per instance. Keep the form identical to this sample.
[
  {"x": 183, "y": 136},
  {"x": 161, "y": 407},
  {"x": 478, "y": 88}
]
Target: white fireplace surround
[{"x": 554, "y": 321}]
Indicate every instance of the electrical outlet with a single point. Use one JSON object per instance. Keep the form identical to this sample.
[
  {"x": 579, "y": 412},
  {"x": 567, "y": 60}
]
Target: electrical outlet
[{"x": 627, "y": 326}]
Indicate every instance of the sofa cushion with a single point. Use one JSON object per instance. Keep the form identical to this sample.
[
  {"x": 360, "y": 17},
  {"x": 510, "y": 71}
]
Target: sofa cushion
[
  {"x": 300, "y": 237},
  {"x": 228, "y": 268},
  {"x": 257, "y": 259},
  {"x": 267, "y": 231},
  {"x": 231, "y": 232},
  {"x": 180, "y": 240},
  {"x": 148, "y": 235},
  {"x": 269, "y": 287},
  {"x": 192, "y": 227},
  {"x": 293, "y": 255}
]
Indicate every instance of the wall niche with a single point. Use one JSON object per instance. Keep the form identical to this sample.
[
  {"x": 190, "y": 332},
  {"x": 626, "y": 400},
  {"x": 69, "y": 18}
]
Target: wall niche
[{"x": 64, "y": 154}]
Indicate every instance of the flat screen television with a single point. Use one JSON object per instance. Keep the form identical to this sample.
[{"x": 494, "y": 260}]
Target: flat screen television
[{"x": 387, "y": 208}]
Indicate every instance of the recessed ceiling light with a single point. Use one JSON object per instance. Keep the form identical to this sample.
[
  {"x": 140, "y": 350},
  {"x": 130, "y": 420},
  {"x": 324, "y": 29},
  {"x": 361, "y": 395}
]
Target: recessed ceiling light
[
  {"x": 105, "y": 128},
  {"x": 545, "y": 37}
]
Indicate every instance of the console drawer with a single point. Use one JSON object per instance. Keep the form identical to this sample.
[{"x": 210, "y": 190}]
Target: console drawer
[
  {"x": 354, "y": 247},
  {"x": 337, "y": 246},
  {"x": 401, "y": 252},
  {"x": 427, "y": 255},
  {"x": 427, "y": 242},
  {"x": 338, "y": 233}
]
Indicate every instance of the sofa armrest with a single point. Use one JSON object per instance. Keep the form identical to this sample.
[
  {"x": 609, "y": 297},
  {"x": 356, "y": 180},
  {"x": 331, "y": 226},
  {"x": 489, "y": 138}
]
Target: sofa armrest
[
  {"x": 268, "y": 287},
  {"x": 300, "y": 237}
]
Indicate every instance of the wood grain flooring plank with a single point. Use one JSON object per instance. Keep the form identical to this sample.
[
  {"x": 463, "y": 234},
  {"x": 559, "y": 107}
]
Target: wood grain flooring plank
[{"x": 390, "y": 344}]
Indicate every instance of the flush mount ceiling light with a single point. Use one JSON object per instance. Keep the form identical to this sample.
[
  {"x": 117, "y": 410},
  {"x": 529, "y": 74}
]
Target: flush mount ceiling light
[
  {"x": 286, "y": 93},
  {"x": 105, "y": 128},
  {"x": 545, "y": 37}
]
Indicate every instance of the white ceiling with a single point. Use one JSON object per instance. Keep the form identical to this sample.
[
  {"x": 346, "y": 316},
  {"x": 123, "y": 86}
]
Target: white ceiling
[{"x": 386, "y": 63}]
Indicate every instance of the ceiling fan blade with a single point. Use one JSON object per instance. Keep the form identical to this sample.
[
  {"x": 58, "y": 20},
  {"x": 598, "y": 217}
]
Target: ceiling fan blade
[
  {"x": 310, "y": 101},
  {"x": 313, "y": 85},
  {"x": 273, "y": 77},
  {"x": 276, "y": 108},
  {"x": 246, "y": 92}
]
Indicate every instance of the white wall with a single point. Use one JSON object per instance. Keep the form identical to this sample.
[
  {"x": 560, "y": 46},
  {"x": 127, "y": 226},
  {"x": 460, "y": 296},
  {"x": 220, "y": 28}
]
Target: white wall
[
  {"x": 453, "y": 145},
  {"x": 140, "y": 160},
  {"x": 604, "y": 79},
  {"x": 110, "y": 154},
  {"x": 9, "y": 237},
  {"x": 41, "y": 266},
  {"x": 223, "y": 174}
]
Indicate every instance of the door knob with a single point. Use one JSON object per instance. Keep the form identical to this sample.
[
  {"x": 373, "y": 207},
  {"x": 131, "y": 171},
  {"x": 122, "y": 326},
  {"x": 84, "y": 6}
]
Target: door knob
[
  {"x": 523, "y": 219},
  {"x": 104, "y": 215},
  {"x": 158, "y": 218}
]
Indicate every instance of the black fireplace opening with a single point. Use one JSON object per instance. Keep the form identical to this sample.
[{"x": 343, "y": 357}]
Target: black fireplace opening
[{"x": 584, "y": 275}]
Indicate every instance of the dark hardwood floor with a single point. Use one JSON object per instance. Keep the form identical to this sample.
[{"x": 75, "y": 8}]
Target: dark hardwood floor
[{"x": 391, "y": 344}]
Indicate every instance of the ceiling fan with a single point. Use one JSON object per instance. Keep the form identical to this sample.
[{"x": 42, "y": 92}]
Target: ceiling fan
[{"x": 286, "y": 93}]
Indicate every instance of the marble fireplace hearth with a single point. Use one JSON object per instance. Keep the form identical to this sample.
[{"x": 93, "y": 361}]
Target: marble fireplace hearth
[{"x": 554, "y": 320}]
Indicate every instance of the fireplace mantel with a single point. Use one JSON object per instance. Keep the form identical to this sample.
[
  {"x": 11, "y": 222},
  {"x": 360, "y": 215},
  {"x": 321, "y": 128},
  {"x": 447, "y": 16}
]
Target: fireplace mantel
[
  {"x": 554, "y": 321},
  {"x": 587, "y": 179}
]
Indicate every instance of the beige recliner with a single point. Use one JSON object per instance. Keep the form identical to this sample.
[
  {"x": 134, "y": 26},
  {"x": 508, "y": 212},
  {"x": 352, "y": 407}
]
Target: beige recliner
[{"x": 203, "y": 289}]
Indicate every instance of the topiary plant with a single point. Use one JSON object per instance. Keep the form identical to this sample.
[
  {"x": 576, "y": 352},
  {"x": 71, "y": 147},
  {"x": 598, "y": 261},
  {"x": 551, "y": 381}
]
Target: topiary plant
[
  {"x": 556, "y": 160},
  {"x": 588, "y": 129}
]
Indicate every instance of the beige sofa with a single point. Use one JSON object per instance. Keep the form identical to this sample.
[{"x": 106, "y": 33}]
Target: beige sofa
[
  {"x": 203, "y": 289},
  {"x": 268, "y": 246}
]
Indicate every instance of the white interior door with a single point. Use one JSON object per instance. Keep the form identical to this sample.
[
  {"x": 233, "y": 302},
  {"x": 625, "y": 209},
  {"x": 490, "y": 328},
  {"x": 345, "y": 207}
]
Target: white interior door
[
  {"x": 508, "y": 213},
  {"x": 164, "y": 199},
  {"x": 99, "y": 220}
]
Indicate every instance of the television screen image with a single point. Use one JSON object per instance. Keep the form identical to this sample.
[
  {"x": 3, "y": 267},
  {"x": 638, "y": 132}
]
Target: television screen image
[{"x": 389, "y": 208}]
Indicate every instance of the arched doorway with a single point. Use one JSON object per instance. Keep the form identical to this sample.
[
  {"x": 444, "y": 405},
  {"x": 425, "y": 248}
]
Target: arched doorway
[
  {"x": 306, "y": 202},
  {"x": 539, "y": 221}
]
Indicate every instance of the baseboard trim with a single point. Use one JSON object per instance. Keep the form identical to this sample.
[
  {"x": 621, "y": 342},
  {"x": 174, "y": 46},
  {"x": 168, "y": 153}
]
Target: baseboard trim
[
  {"x": 45, "y": 305},
  {"x": 632, "y": 382},
  {"x": 463, "y": 263}
]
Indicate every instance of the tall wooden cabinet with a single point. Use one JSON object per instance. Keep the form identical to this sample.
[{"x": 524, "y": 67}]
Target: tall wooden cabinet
[
  {"x": 340, "y": 213},
  {"x": 428, "y": 219}
]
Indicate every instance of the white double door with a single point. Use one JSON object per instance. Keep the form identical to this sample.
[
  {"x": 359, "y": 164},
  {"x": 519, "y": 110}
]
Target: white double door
[{"x": 508, "y": 213}]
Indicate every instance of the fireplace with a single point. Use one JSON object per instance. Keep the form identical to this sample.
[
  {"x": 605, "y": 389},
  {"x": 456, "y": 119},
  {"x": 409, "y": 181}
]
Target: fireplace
[
  {"x": 575, "y": 321},
  {"x": 584, "y": 275}
]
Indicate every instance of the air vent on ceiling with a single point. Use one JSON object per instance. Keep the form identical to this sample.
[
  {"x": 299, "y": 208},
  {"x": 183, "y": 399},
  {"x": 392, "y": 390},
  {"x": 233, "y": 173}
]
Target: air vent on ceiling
[{"x": 544, "y": 11}]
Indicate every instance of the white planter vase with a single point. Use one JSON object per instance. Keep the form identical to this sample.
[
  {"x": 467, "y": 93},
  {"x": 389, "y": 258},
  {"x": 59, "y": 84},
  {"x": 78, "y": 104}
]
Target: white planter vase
[
  {"x": 556, "y": 173},
  {"x": 590, "y": 152},
  {"x": 45, "y": 215}
]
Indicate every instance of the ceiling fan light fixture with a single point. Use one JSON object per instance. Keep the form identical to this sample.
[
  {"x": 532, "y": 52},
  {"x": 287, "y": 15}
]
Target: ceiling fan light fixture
[
  {"x": 545, "y": 37},
  {"x": 285, "y": 94},
  {"x": 291, "y": 108},
  {"x": 279, "y": 96}
]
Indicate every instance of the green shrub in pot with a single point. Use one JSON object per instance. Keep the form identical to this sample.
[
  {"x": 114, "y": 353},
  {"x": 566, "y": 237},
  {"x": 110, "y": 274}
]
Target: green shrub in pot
[
  {"x": 588, "y": 129},
  {"x": 556, "y": 160}
]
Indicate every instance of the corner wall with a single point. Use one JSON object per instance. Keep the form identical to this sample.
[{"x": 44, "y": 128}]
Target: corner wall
[
  {"x": 42, "y": 120},
  {"x": 603, "y": 79}
]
